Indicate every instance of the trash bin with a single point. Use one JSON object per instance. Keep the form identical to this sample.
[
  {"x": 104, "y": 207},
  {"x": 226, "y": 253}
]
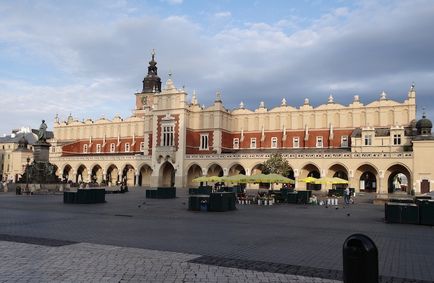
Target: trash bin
[
  {"x": 204, "y": 205},
  {"x": 360, "y": 260},
  {"x": 426, "y": 212}
]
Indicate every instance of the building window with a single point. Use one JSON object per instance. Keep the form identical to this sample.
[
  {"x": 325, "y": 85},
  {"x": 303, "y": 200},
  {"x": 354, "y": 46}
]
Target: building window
[
  {"x": 368, "y": 139},
  {"x": 296, "y": 142},
  {"x": 168, "y": 135},
  {"x": 85, "y": 148},
  {"x": 112, "y": 147},
  {"x": 253, "y": 143},
  {"x": 53, "y": 149},
  {"x": 98, "y": 148},
  {"x": 273, "y": 142},
  {"x": 396, "y": 139},
  {"x": 344, "y": 141},
  {"x": 127, "y": 147},
  {"x": 203, "y": 142},
  {"x": 142, "y": 146},
  {"x": 236, "y": 143},
  {"x": 319, "y": 142}
]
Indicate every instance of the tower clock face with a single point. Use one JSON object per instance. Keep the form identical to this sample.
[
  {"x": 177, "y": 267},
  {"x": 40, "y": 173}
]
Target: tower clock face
[{"x": 145, "y": 100}]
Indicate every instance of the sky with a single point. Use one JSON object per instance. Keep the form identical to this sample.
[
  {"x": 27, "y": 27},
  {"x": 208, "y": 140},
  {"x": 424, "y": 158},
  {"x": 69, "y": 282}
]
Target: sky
[{"x": 88, "y": 58}]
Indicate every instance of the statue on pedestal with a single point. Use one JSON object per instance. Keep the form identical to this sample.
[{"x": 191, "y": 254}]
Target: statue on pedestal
[{"x": 42, "y": 135}]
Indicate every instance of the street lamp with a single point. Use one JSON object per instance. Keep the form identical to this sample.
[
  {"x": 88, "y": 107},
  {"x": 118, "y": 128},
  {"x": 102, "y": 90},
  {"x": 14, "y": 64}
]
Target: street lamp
[{"x": 27, "y": 174}]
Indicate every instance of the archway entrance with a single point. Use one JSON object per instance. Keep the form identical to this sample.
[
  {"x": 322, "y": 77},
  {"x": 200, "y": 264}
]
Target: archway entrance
[
  {"x": 128, "y": 175},
  {"x": 236, "y": 169},
  {"x": 398, "y": 179},
  {"x": 97, "y": 175},
  {"x": 215, "y": 170},
  {"x": 193, "y": 172},
  {"x": 112, "y": 175},
  {"x": 67, "y": 173},
  {"x": 145, "y": 176},
  {"x": 167, "y": 175},
  {"x": 367, "y": 177},
  {"x": 311, "y": 170},
  {"x": 82, "y": 174},
  {"x": 338, "y": 171}
]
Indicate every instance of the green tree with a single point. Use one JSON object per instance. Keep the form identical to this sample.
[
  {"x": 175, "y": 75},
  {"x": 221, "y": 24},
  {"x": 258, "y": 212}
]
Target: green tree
[{"x": 276, "y": 164}]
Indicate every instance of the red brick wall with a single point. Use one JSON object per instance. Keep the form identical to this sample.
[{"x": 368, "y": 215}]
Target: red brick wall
[
  {"x": 193, "y": 142},
  {"x": 76, "y": 148}
]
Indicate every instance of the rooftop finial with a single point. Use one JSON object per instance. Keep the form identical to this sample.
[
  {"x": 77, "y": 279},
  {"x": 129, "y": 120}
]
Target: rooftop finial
[
  {"x": 423, "y": 112},
  {"x": 170, "y": 74},
  {"x": 153, "y": 54},
  {"x": 412, "y": 86}
]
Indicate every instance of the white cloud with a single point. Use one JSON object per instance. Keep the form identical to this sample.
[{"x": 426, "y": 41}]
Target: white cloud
[
  {"x": 104, "y": 60},
  {"x": 224, "y": 14}
]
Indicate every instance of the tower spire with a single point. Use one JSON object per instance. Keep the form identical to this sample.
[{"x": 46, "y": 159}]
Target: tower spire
[{"x": 152, "y": 80}]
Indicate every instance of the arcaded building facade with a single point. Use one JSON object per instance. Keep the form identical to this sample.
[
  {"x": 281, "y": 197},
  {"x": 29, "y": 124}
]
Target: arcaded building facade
[{"x": 170, "y": 140}]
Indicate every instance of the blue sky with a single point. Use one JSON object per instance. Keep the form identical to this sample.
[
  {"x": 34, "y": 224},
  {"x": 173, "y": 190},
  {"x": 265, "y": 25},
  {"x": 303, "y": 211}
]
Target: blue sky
[{"x": 89, "y": 57}]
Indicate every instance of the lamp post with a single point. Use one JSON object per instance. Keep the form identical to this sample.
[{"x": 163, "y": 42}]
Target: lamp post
[{"x": 27, "y": 174}]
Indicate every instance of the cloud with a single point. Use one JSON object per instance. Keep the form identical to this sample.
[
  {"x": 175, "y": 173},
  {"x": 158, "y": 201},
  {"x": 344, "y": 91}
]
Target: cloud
[
  {"x": 224, "y": 14},
  {"x": 98, "y": 62},
  {"x": 174, "y": 2}
]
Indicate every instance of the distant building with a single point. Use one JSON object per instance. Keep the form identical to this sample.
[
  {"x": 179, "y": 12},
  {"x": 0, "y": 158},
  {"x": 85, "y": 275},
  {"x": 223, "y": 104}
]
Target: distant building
[
  {"x": 14, "y": 150},
  {"x": 168, "y": 140}
]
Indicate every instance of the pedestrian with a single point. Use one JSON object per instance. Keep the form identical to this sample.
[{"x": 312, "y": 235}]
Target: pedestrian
[{"x": 347, "y": 196}]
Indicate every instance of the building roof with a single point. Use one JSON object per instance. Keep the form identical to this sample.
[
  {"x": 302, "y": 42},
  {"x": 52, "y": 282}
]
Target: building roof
[{"x": 15, "y": 138}]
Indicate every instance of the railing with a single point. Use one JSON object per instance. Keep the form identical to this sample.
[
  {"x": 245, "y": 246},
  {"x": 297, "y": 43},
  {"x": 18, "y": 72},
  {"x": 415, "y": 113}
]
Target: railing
[{"x": 345, "y": 155}]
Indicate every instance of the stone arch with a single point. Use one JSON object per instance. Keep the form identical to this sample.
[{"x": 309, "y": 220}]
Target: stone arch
[
  {"x": 193, "y": 171},
  {"x": 167, "y": 175},
  {"x": 310, "y": 170},
  {"x": 338, "y": 170},
  {"x": 398, "y": 177},
  {"x": 128, "y": 175},
  {"x": 367, "y": 176},
  {"x": 236, "y": 169},
  {"x": 214, "y": 169},
  {"x": 97, "y": 174},
  {"x": 145, "y": 172},
  {"x": 67, "y": 173},
  {"x": 257, "y": 169},
  {"x": 112, "y": 175},
  {"x": 82, "y": 174}
]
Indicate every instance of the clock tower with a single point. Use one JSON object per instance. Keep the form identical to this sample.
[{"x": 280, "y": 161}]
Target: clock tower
[{"x": 151, "y": 85}]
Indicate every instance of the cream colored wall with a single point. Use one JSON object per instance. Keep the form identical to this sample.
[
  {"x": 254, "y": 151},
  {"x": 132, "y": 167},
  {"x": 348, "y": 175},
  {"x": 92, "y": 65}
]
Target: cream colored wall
[{"x": 423, "y": 165}]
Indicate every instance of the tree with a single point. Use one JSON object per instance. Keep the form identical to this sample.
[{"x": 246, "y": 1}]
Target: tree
[{"x": 276, "y": 164}]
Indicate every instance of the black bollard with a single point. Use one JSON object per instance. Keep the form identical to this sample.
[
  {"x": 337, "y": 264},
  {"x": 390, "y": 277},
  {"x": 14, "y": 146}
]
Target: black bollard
[{"x": 360, "y": 260}]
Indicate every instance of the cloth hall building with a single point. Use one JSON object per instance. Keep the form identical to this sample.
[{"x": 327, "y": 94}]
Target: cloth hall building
[{"x": 169, "y": 141}]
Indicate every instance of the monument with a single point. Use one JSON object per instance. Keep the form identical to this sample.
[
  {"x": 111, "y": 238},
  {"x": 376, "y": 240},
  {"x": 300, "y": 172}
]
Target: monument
[{"x": 41, "y": 174}]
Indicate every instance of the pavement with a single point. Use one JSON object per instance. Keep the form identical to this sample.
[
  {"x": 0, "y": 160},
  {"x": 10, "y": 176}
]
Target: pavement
[{"x": 133, "y": 239}]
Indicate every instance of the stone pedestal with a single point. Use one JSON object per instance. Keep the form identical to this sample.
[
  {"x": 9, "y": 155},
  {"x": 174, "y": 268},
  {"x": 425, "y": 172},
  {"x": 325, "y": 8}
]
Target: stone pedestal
[{"x": 41, "y": 151}]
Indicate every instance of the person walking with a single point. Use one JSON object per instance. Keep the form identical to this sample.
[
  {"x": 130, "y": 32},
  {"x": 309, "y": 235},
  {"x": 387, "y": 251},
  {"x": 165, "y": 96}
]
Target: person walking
[{"x": 347, "y": 196}]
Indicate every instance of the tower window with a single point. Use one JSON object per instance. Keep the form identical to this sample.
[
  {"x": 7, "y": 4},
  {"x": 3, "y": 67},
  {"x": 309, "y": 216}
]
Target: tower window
[
  {"x": 396, "y": 139},
  {"x": 203, "y": 142},
  {"x": 168, "y": 135}
]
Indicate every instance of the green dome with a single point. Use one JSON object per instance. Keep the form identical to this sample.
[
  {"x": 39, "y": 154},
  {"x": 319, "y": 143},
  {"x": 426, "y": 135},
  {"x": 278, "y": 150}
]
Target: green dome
[{"x": 424, "y": 123}]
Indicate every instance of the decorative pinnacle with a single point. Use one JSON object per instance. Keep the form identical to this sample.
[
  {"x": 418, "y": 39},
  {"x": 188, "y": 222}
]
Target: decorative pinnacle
[
  {"x": 153, "y": 54},
  {"x": 423, "y": 112}
]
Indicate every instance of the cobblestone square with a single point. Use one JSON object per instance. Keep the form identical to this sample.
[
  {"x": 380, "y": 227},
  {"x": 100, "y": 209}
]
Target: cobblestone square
[{"x": 133, "y": 239}]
